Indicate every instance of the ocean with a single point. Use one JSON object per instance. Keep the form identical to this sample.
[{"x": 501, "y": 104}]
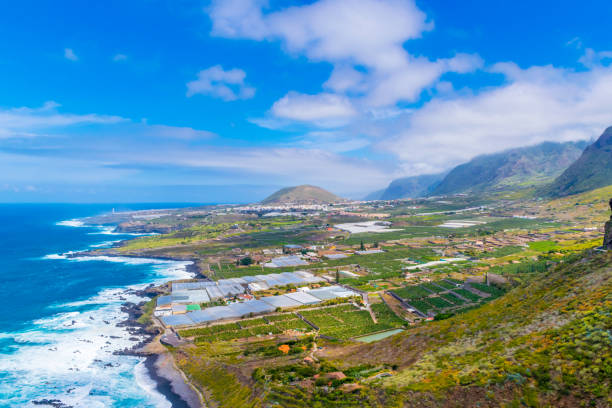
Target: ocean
[{"x": 58, "y": 316}]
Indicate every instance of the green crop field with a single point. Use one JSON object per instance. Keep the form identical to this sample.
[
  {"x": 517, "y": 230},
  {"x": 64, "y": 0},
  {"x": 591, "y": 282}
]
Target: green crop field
[
  {"x": 250, "y": 327},
  {"x": 421, "y": 305},
  {"x": 343, "y": 322},
  {"x": 386, "y": 316},
  {"x": 492, "y": 290},
  {"x": 445, "y": 284},
  {"x": 433, "y": 288},
  {"x": 438, "y": 302},
  {"x": 467, "y": 294},
  {"x": 452, "y": 298},
  {"x": 412, "y": 292}
]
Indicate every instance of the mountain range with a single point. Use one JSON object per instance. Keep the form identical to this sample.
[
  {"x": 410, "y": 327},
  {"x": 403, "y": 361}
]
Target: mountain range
[
  {"x": 523, "y": 166},
  {"x": 529, "y": 166},
  {"x": 593, "y": 169},
  {"x": 408, "y": 187}
]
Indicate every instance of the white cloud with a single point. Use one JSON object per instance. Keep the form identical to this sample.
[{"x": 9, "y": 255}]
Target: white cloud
[
  {"x": 363, "y": 39},
  {"x": 369, "y": 32},
  {"x": 534, "y": 105},
  {"x": 330, "y": 141},
  {"x": 29, "y": 122},
  {"x": 175, "y": 132},
  {"x": 408, "y": 82},
  {"x": 592, "y": 58},
  {"x": 313, "y": 108},
  {"x": 120, "y": 57},
  {"x": 299, "y": 165},
  {"x": 69, "y": 54},
  {"x": 227, "y": 85}
]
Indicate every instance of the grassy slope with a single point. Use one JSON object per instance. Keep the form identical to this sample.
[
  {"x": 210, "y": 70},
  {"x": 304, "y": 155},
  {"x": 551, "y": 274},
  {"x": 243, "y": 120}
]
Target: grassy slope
[{"x": 548, "y": 340}]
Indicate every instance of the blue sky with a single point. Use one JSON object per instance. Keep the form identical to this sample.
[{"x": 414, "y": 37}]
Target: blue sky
[{"x": 226, "y": 101}]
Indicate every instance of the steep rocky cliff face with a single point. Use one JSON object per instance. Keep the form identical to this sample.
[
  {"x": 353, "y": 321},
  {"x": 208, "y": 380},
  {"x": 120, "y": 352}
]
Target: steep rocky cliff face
[{"x": 607, "y": 242}]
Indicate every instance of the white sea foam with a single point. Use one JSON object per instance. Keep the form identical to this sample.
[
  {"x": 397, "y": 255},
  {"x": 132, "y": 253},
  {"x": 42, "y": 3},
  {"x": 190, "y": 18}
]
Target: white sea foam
[
  {"x": 71, "y": 223},
  {"x": 110, "y": 230},
  {"x": 101, "y": 229},
  {"x": 141, "y": 376},
  {"x": 105, "y": 244},
  {"x": 69, "y": 355},
  {"x": 54, "y": 256}
]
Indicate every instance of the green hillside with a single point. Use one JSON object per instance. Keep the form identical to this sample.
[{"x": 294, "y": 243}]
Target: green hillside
[
  {"x": 304, "y": 194},
  {"x": 593, "y": 169},
  {"x": 525, "y": 166},
  {"x": 546, "y": 343}
]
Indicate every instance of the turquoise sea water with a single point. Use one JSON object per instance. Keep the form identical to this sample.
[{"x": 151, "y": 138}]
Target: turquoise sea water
[{"x": 58, "y": 316}]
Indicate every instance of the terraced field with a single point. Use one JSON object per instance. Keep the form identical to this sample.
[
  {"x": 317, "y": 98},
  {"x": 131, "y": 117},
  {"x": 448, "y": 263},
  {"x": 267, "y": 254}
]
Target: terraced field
[
  {"x": 452, "y": 298},
  {"x": 443, "y": 295},
  {"x": 467, "y": 294},
  {"x": 412, "y": 292}
]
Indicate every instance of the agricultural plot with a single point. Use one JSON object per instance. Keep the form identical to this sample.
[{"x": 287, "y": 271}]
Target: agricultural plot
[
  {"x": 252, "y": 322},
  {"x": 385, "y": 315},
  {"x": 455, "y": 300},
  {"x": 247, "y": 328},
  {"x": 421, "y": 306},
  {"x": 445, "y": 284},
  {"x": 491, "y": 290},
  {"x": 467, "y": 294},
  {"x": 412, "y": 292},
  {"x": 280, "y": 317},
  {"x": 433, "y": 288},
  {"x": 343, "y": 322},
  {"x": 438, "y": 302}
]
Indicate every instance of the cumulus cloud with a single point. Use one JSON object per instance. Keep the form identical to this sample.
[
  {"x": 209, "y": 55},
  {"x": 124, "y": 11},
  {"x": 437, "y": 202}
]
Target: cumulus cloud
[
  {"x": 313, "y": 108},
  {"x": 592, "y": 58},
  {"x": 30, "y": 122},
  {"x": 70, "y": 55},
  {"x": 363, "y": 39},
  {"x": 369, "y": 32},
  {"x": 537, "y": 104},
  {"x": 227, "y": 85}
]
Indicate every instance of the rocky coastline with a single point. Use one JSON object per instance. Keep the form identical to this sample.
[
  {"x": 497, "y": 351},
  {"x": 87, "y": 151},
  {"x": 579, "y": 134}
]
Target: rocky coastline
[{"x": 169, "y": 381}]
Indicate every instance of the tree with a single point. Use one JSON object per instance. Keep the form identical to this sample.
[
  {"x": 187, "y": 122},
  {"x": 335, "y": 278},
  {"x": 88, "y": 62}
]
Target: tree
[
  {"x": 362, "y": 247},
  {"x": 247, "y": 260},
  {"x": 337, "y": 276}
]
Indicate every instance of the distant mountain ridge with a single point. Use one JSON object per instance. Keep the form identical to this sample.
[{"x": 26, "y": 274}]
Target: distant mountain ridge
[
  {"x": 304, "y": 194},
  {"x": 523, "y": 166},
  {"x": 593, "y": 169},
  {"x": 410, "y": 187}
]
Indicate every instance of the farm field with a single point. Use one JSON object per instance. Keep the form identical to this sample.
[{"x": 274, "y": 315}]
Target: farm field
[
  {"x": 343, "y": 322},
  {"x": 386, "y": 316},
  {"x": 467, "y": 294},
  {"x": 247, "y": 328}
]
